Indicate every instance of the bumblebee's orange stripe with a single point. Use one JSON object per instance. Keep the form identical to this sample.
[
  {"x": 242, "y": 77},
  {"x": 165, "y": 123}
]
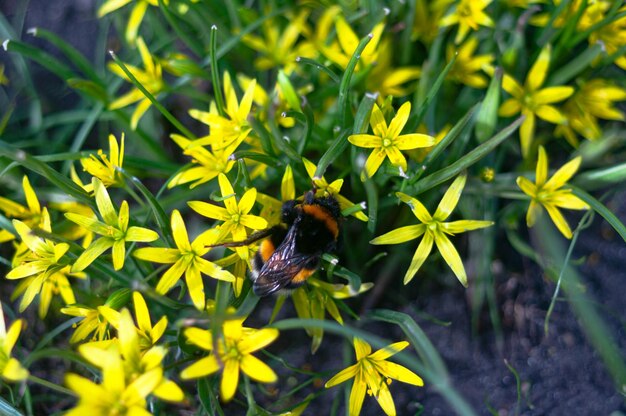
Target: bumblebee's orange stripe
[
  {"x": 302, "y": 276},
  {"x": 266, "y": 249},
  {"x": 323, "y": 215}
]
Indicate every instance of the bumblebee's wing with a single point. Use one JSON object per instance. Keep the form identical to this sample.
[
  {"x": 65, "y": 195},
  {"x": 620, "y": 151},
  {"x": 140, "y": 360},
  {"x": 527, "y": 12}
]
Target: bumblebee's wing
[{"x": 285, "y": 264}]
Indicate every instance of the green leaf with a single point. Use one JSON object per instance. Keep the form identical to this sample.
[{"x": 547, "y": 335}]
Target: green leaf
[
  {"x": 571, "y": 69},
  {"x": 323, "y": 68},
  {"x": 215, "y": 73},
  {"x": 70, "y": 52},
  {"x": 601, "y": 209},
  {"x": 343, "y": 103},
  {"x": 42, "y": 58}
]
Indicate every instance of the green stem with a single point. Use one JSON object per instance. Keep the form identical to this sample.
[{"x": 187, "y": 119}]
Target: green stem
[{"x": 50, "y": 385}]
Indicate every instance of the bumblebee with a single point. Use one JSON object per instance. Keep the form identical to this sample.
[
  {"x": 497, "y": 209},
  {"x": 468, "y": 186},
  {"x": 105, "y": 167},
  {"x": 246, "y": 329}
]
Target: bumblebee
[{"x": 291, "y": 252}]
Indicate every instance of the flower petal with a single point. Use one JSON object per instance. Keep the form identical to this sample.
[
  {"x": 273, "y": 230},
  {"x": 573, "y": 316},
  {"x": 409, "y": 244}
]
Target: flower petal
[
  {"x": 550, "y": 114},
  {"x": 195, "y": 286},
  {"x": 400, "y": 235},
  {"x": 357, "y": 394},
  {"x": 563, "y": 174},
  {"x": 552, "y": 94},
  {"x": 119, "y": 254},
  {"x": 257, "y": 340},
  {"x": 539, "y": 70},
  {"x": 157, "y": 254},
  {"x": 400, "y": 373},
  {"x": 416, "y": 206},
  {"x": 422, "y": 252},
  {"x": 171, "y": 276},
  {"x": 367, "y": 141},
  {"x": 209, "y": 210},
  {"x": 451, "y": 256},
  {"x": 558, "y": 220},
  {"x": 385, "y": 400},
  {"x": 388, "y": 351},
  {"x": 257, "y": 369},
  {"x": 377, "y": 121},
  {"x": 414, "y": 141},
  {"x": 140, "y": 234},
  {"x": 398, "y": 122},
  {"x": 541, "y": 172},
  {"x": 450, "y": 198},
  {"x": 509, "y": 108},
  {"x": 91, "y": 253},
  {"x": 179, "y": 231},
  {"x": 373, "y": 162},
  {"x": 203, "y": 367},
  {"x": 461, "y": 226},
  {"x": 343, "y": 375},
  {"x": 230, "y": 380},
  {"x": 361, "y": 348},
  {"x": 527, "y": 133}
]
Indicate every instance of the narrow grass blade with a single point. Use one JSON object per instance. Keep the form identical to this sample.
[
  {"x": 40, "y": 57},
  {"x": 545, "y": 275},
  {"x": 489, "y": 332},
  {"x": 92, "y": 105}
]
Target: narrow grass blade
[
  {"x": 308, "y": 61},
  {"x": 574, "y": 67},
  {"x": 42, "y": 58},
  {"x": 601, "y": 178},
  {"x": 601, "y": 209},
  {"x": 70, "y": 52}
]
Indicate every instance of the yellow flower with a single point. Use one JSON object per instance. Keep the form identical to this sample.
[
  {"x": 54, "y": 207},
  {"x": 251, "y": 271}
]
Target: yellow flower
[
  {"x": 151, "y": 78},
  {"x": 236, "y": 215},
  {"x": 226, "y": 134},
  {"x": 234, "y": 353},
  {"x": 44, "y": 260},
  {"x": 387, "y": 141},
  {"x": 427, "y": 16},
  {"x": 105, "y": 169},
  {"x": 532, "y": 100},
  {"x": 595, "y": 99},
  {"x": 612, "y": 36},
  {"x": 10, "y": 368},
  {"x": 206, "y": 164},
  {"x": 56, "y": 283},
  {"x": 372, "y": 373},
  {"x": 116, "y": 395},
  {"x": 549, "y": 193},
  {"x": 467, "y": 69},
  {"x": 318, "y": 297},
  {"x": 114, "y": 230},
  {"x": 186, "y": 258},
  {"x": 435, "y": 230},
  {"x": 386, "y": 80},
  {"x": 280, "y": 50},
  {"x": 323, "y": 189},
  {"x": 136, "y": 362},
  {"x": 136, "y": 15},
  {"x": 30, "y": 214},
  {"x": 96, "y": 321},
  {"x": 382, "y": 78},
  {"x": 468, "y": 14}
]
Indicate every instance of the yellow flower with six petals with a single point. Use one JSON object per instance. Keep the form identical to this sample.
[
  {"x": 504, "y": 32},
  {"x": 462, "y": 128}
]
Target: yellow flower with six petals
[
  {"x": 151, "y": 78},
  {"x": 372, "y": 373},
  {"x": 387, "y": 141},
  {"x": 435, "y": 230},
  {"x": 186, "y": 258},
  {"x": 548, "y": 193},
  {"x": 532, "y": 100},
  {"x": 105, "y": 169},
  {"x": 236, "y": 215},
  {"x": 114, "y": 231},
  {"x": 234, "y": 353},
  {"x": 468, "y": 14}
]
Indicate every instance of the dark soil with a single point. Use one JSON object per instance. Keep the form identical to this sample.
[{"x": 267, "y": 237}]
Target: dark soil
[{"x": 560, "y": 374}]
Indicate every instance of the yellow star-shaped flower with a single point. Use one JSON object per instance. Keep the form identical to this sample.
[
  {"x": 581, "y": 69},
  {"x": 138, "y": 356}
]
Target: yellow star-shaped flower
[
  {"x": 372, "y": 373},
  {"x": 532, "y": 100},
  {"x": 548, "y": 193},
  {"x": 236, "y": 215},
  {"x": 233, "y": 354},
  {"x": 468, "y": 14},
  {"x": 435, "y": 231},
  {"x": 387, "y": 141}
]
